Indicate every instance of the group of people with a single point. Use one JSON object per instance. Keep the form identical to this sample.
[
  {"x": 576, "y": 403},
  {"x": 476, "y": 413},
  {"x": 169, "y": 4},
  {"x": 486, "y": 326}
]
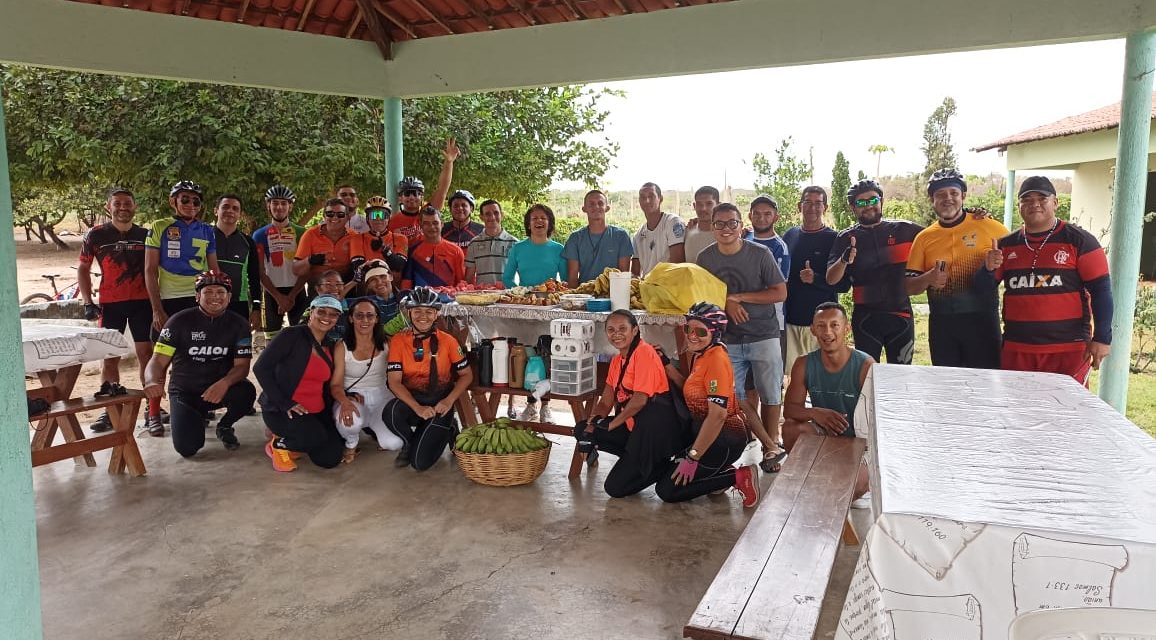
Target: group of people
[{"x": 354, "y": 345}]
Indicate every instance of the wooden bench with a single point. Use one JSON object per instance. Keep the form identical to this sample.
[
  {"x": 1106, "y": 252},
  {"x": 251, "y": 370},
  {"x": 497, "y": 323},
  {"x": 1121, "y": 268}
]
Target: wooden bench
[
  {"x": 772, "y": 584},
  {"x": 61, "y": 416}
]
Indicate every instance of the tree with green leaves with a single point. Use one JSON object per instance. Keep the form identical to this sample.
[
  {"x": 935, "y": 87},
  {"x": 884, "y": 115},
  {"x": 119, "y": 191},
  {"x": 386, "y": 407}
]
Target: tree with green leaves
[
  {"x": 878, "y": 150},
  {"x": 840, "y": 184},
  {"x": 937, "y": 146},
  {"x": 69, "y": 129},
  {"x": 784, "y": 179}
]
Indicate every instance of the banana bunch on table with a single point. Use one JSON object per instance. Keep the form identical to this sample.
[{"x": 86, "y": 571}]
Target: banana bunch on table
[
  {"x": 499, "y": 437},
  {"x": 600, "y": 287}
]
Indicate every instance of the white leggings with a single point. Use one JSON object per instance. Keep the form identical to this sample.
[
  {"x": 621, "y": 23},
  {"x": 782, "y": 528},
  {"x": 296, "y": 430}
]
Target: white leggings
[{"x": 368, "y": 415}]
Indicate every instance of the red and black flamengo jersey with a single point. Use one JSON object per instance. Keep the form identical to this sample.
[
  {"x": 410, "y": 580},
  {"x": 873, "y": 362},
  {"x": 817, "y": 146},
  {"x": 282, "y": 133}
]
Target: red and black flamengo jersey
[
  {"x": 121, "y": 258},
  {"x": 879, "y": 272},
  {"x": 1046, "y": 309}
]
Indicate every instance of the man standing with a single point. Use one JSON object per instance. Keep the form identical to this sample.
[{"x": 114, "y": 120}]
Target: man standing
[
  {"x": 810, "y": 246},
  {"x": 597, "y": 246},
  {"x": 276, "y": 247},
  {"x": 699, "y": 234},
  {"x": 764, "y": 214},
  {"x": 754, "y": 285},
  {"x": 661, "y": 237},
  {"x": 411, "y": 191},
  {"x": 486, "y": 255},
  {"x": 177, "y": 250},
  {"x": 209, "y": 350},
  {"x": 871, "y": 257},
  {"x": 963, "y": 329},
  {"x": 379, "y": 243},
  {"x": 329, "y": 245},
  {"x": 433, "y": 262},
  {"x": 348, "y": 195},
  {"x": 237, "y": 255},
  {"x": 1053, "y": 273},
  {"x": 118, "y": 247},
  {"x": 461, "y": 230}
]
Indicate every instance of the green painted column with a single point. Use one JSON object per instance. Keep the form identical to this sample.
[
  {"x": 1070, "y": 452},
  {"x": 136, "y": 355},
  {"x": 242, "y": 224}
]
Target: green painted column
[
  {"x": 1128, "y": 210},
  {"x": 19, "y": 568},
  {"x": 394, "y": 151},
  {"x": 1009, "y": 199}
]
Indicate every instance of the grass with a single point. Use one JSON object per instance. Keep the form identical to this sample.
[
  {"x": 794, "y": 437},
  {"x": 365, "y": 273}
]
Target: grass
[{"x": 1141, "y": 386}]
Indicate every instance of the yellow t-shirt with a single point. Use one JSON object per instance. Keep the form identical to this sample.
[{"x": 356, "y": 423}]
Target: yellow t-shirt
[{"x": 962, "y": 246}]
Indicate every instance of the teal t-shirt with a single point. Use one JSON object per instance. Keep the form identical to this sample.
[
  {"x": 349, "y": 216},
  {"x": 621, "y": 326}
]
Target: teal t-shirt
[
  {"x": 595, "y": 253},
  {"x": 533, "y": 264}
]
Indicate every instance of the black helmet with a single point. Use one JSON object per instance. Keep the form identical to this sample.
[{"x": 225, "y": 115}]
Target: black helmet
[
  {"x": 463, "y": 194},
  {"x": 280, "y": 192},
  {"x": 946, "y": 178},
  {"x": 422, "y": 297},
  {"x": 863, "y": 186},
  {"x": 410, "y": 183},
  {"x": 186, "y": 185}
]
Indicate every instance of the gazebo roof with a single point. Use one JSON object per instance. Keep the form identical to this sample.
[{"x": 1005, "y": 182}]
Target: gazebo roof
[{"x": 1096, "y": 120}]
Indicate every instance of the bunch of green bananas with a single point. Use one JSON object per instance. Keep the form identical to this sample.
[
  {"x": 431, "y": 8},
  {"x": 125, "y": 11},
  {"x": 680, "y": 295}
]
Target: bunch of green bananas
[{"x": 499, "y": 437}]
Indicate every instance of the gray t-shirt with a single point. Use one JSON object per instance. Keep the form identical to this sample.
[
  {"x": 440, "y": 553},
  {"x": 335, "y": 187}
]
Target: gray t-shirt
[{"x": 753, "y": 268}]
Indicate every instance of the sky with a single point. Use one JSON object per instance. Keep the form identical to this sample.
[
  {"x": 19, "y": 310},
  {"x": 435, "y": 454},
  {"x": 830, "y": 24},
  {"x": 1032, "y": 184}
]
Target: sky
[{"x": 672, "y": 132}]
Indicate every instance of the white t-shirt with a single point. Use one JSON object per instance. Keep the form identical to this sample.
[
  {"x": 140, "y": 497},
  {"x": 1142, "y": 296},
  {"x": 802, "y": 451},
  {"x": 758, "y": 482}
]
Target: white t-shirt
[
  {"x": 653, "y": 246},
  {"x": 697, "y": 240}
]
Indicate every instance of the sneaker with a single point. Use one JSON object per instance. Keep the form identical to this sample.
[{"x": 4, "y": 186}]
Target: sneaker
[
  {"x": 155, "y": 426},
  {"x": 592, "y": 458},
  {"x": 102, "y": 424},
  {"x": 402, "y": 459},
  {"x": 862, "y": 502},
  {"x": 544, "y": 414},
  {"x": 110, "y": 389},
  {"x": 747, "y": 483},
  {"x": 164, "y": 416},
  {"x": 282, "y": 459},
  {"x": 530, "y": 413},
  {"x": 228, "y": 437}
]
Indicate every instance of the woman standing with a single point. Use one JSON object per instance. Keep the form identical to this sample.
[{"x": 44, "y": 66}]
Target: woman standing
[
  {"x": 294, "y": 371},
  {"x": 427, "y": 373},
  {"x": 537, "y": 258},
  {"x": 358, "y": 385},
  {"x": 720, "y": 432},
  {"x": 645, "y": 431}
]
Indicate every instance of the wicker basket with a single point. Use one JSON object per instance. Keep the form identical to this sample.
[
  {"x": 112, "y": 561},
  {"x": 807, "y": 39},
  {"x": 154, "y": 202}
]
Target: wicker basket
[{"x": 504, "y": 470}]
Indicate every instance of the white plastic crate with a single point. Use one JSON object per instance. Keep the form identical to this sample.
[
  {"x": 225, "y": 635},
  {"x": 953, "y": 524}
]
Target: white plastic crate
[
  {"x": 572, "y": 376},
  {"x": 570, "y": 329}
]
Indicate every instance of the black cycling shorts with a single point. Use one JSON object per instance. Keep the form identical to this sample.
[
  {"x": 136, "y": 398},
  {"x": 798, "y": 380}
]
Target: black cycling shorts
[
  {"x": 136, "y": 315},
  {"x": 876, "y": 331}
]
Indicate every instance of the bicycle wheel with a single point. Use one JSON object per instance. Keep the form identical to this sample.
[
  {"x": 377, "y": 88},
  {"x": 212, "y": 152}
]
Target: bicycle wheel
[{"x": 36, "y": 297}]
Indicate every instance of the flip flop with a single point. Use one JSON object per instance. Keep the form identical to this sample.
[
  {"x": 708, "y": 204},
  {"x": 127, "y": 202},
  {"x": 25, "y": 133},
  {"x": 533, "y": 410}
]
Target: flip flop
[{"x": 773, "y": 463}]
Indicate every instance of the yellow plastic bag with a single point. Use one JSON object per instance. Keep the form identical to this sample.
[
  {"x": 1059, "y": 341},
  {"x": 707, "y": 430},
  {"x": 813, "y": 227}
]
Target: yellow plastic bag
[{"x": 672, "y": 289}]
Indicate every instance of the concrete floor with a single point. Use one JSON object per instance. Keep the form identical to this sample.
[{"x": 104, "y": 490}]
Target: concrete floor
[{"x": 222, "y": 547}]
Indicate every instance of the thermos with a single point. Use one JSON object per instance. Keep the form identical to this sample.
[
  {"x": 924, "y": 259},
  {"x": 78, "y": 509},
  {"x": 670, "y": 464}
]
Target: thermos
[
  {"x": 501, "y": 362},
  {"x": 517, "y": 365},
  {"x": 485, "y": 359}
]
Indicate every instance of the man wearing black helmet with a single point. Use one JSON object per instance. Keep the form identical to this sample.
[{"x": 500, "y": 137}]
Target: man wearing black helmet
[
  {"x": 209, "y": 350},
  {"x": 177, "y": 250},
  {"x": 963, "y": 330},
  {"x": 411, "y": 192},
  {"x": 871, "y": 258},
  {"x": 276, "y": 246},
  {"x": 461, "y": 230}
]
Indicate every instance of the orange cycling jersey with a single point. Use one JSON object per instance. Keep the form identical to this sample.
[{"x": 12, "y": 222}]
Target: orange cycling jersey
[{"x": 413, "y": 356}]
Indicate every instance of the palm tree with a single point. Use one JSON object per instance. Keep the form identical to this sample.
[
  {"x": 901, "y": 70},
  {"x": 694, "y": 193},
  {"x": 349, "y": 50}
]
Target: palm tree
[{"x": 879, "y": 150}]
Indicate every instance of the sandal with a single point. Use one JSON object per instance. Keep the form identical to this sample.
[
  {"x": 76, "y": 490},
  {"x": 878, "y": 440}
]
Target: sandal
[
  {"x": 348, "y": 456},
  {"x": 773, "y": 462}
]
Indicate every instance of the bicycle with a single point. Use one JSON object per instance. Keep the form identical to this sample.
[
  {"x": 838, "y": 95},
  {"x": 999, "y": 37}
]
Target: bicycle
[{"x": 71, "y": 292}]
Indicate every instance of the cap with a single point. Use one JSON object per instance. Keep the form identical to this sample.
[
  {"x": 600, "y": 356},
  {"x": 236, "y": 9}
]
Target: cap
[
  {"x": 376, "y": 271},
  {"x": 1037, "y": 184},
  {"x": 765, "y": 199},
  {"x": 328, "y": 302},
  {"x": 117, "y": 190}
]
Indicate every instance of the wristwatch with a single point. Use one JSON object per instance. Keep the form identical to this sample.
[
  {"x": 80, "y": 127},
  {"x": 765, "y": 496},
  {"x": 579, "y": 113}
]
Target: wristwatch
[{"x": 693, "y": 455}]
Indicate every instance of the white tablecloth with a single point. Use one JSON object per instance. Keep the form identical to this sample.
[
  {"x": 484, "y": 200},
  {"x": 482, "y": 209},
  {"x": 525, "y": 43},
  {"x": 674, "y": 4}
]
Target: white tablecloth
[
  {"x": 997, "y": 493},
  {"x": 54, "y": 346}
]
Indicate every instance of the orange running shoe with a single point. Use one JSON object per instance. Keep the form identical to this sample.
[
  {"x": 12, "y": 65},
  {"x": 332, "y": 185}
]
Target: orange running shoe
[{"x": 282, "y": 458}]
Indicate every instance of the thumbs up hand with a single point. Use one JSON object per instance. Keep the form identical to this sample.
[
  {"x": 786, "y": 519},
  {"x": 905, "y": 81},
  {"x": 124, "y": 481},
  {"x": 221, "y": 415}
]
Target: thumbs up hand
[
  {"x": 849, "y": 254},
  {"x": 994, "y": 257},
  {"x": 806, "y": 274}
]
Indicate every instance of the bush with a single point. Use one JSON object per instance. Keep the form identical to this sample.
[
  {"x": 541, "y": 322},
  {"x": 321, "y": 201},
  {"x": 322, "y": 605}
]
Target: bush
[{"x": 1144, "y": 328}]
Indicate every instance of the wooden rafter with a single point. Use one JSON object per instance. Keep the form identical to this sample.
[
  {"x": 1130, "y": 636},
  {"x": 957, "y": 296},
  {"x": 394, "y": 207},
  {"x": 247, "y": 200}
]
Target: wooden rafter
[
  {"x": 622, "y": 7},
  {"x": 523, "y": 11},
  {"x": 480, "y": 14},
  {"x": 574, "y": 9},
  {"x": 355, "y": 24},
  {"x": 244, "y": 9},
  {"x": 376, "y": 30},
  {"x": 432, "y": 16},
  {"x": 304, "y": 14},
  {"x": 185, "y": 8},
  {"x": 395, "y": 19}
]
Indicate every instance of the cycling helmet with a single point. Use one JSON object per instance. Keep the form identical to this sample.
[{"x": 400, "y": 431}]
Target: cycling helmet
[
  {"x": 377, "y": 202},
  {"x": 422, "y": 297},
  {"x": 209, "y": 278},
  {"x": 861, "y": 187},
  {"x": 186, "y": 185},
  {"x": 280, "y": 192},
  {"x": 463, "y": 194},
  {"x": 946, "y": 178},
  {"x": 410, "y": 183},
  {"x": 712, "y": 316}
]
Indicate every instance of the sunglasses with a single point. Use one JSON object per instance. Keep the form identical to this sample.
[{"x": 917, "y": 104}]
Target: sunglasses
[
  {"x": 411, "y": 192},
  {"x": 377, "y": 214},
  {"x": 698, "y": 332},
  {"x": 347, "y": 194},
  {"x": 193, "y": 200},
  {"x": 867, "y": 202},
  {"x": 365, "y": 315},
  {"x": 726, "y": 224},
  {"x": 334, "y": 214}
]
